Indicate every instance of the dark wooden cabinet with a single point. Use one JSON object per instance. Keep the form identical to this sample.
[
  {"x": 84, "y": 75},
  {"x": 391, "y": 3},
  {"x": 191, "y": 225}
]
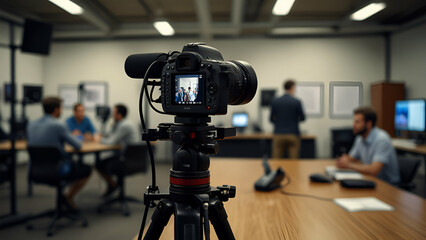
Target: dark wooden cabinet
[{"x": 383, "y": 98}]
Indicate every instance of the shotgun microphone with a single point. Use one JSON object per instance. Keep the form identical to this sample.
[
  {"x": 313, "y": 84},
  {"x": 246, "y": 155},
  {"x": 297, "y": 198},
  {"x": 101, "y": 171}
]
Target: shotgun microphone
[{"x": 137, "y": 64}]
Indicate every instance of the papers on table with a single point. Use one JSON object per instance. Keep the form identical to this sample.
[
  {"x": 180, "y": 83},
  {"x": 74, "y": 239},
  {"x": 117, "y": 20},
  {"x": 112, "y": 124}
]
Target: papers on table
[
  {"x": 342, "y": 174},
  {"x": 363, "y": 204}
]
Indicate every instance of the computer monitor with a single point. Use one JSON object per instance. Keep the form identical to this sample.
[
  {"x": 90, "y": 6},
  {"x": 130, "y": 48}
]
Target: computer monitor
[
  {"x": 240, "y": 120},
  {"x": 410, "y": 115},
  {"x": 33, "y": 94}
]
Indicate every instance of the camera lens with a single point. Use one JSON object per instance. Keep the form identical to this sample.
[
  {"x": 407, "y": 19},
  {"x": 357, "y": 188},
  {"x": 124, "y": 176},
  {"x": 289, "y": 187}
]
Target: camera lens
[{"x": 242, "y": 83}]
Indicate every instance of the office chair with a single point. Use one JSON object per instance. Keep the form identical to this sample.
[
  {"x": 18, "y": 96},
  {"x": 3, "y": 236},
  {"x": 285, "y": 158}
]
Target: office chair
[
  {"x": 134, "y": 161},
  {"x": 44, "y": 169},
  {"x": 341, "y": 141},
  {"x": 407, "y": 170}
]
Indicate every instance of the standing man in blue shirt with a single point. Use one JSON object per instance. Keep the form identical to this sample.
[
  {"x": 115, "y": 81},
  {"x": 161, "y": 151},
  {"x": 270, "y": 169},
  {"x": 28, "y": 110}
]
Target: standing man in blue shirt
[
  {"x": 48, "y": 131},
  {"x": 80, "y": 125},
  {"x": 286, "y": 113},
  {"x": 372, "y": 152}
]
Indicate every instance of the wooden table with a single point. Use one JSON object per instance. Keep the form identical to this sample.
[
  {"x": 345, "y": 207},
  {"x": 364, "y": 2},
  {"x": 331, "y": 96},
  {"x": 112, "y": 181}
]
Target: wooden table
[
  {"x": 87, "y": 147},
  {"x": 272, "y": 215}
]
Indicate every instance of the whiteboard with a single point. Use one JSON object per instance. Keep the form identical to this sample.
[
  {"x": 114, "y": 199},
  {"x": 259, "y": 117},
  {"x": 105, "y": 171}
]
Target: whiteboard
[
  {"x": 69, "y": 95},
  {"x": 311, "y": 94},
  {"x": 93, "y": 94},
  {"x": 344, "y": 98}
]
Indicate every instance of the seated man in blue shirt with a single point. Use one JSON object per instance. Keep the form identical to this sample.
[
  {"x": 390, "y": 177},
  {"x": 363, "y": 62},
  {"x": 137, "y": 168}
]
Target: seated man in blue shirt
[
  {"x": 48, "y": 131},
  {"x": 372, "y": 152},
  {"x": 80, "y": 125}
]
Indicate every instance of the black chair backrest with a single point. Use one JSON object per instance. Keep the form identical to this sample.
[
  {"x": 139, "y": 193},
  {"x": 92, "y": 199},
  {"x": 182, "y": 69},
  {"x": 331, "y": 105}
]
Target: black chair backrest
[
  {"x": 408, "y": 168},
  {"x": 44, "y": 164},
  {"x": 4, "y": 167},
  {"x": 342, "y": 141},
  {"x": 135, "y": 158}
]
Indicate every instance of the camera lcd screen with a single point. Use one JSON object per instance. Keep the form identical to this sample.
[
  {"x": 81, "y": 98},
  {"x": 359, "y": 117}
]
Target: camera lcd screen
[{"x": 187, "y": 89}]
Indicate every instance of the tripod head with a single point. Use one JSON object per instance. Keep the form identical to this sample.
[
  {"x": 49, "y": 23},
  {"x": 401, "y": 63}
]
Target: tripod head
[
  {"x": 191, "y": 132},
  {"x": 190, "y": 175}
]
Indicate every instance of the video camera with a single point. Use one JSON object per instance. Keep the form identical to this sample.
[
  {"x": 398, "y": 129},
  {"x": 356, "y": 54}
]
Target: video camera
[{"x": 196, "y": 81}]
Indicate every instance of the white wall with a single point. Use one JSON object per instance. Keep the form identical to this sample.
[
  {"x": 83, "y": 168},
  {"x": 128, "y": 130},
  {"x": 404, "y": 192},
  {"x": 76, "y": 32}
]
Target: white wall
[
  {"x": 318, "y": 59},
  {"x": 408, "y": 60}
]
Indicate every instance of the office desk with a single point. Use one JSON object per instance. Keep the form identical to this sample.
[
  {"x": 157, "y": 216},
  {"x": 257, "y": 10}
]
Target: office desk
[
  {"x": 272, "y": 215},
  {"x": 257, "y": 144},
  {"x": 415, "y": 149},
  {"x": 418, "y": 149}
]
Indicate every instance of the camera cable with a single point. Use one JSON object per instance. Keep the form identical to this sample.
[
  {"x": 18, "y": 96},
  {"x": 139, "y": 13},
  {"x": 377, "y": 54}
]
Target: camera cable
[
  {"x": 300, "y": 194},
  {"x": 153, "y": 186}
]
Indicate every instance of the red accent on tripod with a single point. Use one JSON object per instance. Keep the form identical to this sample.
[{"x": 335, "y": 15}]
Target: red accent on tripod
[{"x": 189, "y": 181}]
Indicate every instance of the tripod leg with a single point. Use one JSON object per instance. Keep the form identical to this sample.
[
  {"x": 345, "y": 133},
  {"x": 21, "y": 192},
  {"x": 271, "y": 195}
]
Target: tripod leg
[
  {"x": 160, "y": 218},
  {"x": 188, "y": 225},
  {"x": 219, "y": 219}
]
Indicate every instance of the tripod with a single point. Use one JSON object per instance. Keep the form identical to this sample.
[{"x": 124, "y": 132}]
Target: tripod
[{"x": 190, "y": 199}]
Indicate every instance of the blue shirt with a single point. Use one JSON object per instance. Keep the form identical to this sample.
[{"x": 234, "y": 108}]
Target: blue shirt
[
  {"x": 377, "y": 147},
  {"x": 84, "y": 127},
  {"x": 48, "y": 131},
  {"x": 286, "y": 113}
]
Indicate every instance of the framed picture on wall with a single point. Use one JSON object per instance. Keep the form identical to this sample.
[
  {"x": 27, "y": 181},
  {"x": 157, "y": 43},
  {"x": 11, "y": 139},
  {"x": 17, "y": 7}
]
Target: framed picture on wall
[
  {"x": 92, "y": 94},
  {"x": 312, "y": 96},
  {"x": 344, "y": 98},
  {"x": 69, "y": 95}
]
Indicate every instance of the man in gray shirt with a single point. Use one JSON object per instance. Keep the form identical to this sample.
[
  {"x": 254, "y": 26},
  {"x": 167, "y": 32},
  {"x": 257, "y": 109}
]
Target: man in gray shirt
[
  {"x": 124, "y": 132},
  {"x": 48, "y": 131},
  {"x": 286, "y": 113},
  {"x": 372, "y": 152}
]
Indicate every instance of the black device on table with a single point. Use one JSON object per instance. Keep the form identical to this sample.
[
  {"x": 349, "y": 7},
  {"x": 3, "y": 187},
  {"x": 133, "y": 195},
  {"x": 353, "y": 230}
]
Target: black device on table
[
  {"x": 194, "y": 84},
  {"x": 271, "y": 180},
  {"x": 357, "y": 183},
  {"x": 319, "y": 177}
]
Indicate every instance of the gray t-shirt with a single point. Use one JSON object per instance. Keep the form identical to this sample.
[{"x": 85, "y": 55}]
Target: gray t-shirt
[
  {"x": 123, "y": 133},
  {"x": 48, "y": 131},
  {"x": 377, "y": 147}
]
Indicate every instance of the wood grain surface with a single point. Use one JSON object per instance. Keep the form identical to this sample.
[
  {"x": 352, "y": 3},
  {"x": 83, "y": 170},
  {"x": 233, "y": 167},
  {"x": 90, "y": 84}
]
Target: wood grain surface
[
  {"x": 87, "y": 147},
  {"x": 272, "y": 215}
]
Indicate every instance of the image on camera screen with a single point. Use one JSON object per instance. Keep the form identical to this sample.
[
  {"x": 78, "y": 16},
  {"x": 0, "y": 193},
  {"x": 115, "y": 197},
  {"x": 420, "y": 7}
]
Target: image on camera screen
[{"x": 187, "y": 89}]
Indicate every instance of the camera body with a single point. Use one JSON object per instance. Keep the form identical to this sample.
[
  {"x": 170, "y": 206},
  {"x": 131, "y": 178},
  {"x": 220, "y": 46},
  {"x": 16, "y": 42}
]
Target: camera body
[
  {"x": 199, "y": 82},
  {"x": 195, "y": 84}
]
